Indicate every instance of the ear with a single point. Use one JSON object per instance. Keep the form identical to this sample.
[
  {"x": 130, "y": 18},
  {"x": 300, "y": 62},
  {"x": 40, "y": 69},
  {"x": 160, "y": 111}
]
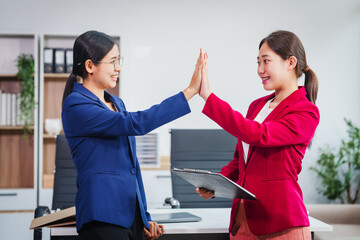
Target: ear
[
  {"x": 292, "y": 61},
  {"x": 89, "y": 66}
]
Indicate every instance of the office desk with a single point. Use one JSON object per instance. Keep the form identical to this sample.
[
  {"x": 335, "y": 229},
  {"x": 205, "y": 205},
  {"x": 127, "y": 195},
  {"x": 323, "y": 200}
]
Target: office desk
[{"x": 214, "y": 225}]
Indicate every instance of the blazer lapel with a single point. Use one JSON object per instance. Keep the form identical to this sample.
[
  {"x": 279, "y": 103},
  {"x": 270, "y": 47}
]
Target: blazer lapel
[
  {"x": 121, "y": 107},
  {"x": 252, "y": 115},
  {"x": 291, "y": 99}
]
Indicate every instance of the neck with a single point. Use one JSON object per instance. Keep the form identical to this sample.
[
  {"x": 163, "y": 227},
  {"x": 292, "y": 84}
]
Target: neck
[
  {"x": 95, "y": 90},
  {"x": 285, "y": 91}
]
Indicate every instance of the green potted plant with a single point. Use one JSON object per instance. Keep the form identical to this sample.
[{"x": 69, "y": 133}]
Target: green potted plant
[
  {"x": 25, "y": 66},
  {"x": 340, "y": 172}
]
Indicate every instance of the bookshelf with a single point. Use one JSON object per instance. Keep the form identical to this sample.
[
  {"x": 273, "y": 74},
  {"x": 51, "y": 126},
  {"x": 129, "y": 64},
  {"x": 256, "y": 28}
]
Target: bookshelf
[
  {"x": 18, "y": 156},
  {"x": 51, "y": 91}
]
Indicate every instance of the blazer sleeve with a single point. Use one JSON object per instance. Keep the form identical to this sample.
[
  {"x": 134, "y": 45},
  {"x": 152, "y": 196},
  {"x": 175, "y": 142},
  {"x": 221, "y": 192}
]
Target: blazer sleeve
[
  {"x": 296, "y": 127},
  {"x": 83, "y": 117},
  {"x": 231, "y": 170}
]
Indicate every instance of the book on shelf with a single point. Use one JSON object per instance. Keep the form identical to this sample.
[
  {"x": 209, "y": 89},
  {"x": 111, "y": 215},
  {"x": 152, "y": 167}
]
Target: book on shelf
[
  {"x": 10, "y": 109},
  {"x": 59, "y": 60},
  {"x": 48, "y": 60},
  {"x": 3, "y": 109},
  {"x": 13, "y": 109},
  {"x": 68, "y": 60}
]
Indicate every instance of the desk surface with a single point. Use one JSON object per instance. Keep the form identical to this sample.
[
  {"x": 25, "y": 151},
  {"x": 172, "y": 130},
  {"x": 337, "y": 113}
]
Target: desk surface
[{"x": 214, "y": 220}]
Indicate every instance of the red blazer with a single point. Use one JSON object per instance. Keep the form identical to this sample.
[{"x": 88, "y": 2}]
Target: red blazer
[{"x": 277, "y": 147}]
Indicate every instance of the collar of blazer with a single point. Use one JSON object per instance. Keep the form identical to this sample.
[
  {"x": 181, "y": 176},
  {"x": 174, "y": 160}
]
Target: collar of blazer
[
  {"x": 293, "y": 98},
  {"x": 87, "y": 93},
  {"x": 290, "y": 100}
]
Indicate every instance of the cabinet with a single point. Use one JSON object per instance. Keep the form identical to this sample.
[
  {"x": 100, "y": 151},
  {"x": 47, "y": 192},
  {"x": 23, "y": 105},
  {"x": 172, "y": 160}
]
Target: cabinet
[
  {"x": 51, "y": 92},
  {"x": 18, "y": 156}
]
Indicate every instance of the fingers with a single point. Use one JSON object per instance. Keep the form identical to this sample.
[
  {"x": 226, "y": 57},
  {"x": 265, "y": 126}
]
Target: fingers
[
  {"x": 204, "y": 193},
  {"x": 152, "y": 229},
  {"x": 202, "y": 58},
  {"x": 155, "y": 231},
  {"x": 147, "y": 233},
  {"x": 162, "y": 229}
]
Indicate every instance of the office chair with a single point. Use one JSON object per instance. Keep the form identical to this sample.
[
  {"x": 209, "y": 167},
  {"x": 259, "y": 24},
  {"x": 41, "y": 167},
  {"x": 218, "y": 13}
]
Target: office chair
[
  {"x": 64, "y": 182},
  {"x": 205, "y": 149}
]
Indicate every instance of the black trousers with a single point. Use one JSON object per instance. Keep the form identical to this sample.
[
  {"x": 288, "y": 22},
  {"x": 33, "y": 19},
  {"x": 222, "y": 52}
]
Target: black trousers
[{"x": 105, "y": 231}]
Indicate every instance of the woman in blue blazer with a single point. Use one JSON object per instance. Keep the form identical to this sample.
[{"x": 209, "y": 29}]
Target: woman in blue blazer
[{"x": 110, "y": 202}]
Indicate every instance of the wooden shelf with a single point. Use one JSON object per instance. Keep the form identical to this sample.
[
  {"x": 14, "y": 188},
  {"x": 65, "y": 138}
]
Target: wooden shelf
[
  {"x": 3, "y": 128},
  {"x": 60, "y": 76},
  {"x": 48, "y": 136},
  {"x": 8, "y": 75}
]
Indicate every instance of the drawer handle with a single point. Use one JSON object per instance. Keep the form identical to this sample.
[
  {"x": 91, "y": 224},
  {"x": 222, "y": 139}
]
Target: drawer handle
[{"x": 8, "y": 194}]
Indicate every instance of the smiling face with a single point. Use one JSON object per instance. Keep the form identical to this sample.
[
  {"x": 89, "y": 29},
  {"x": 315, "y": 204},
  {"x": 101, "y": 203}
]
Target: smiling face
[
  {"x": 275, "y": 72},
  {"x": 105, "y": 75}
]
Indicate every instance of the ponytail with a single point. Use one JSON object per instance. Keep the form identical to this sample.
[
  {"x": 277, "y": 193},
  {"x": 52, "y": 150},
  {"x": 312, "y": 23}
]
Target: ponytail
[
  {"x": 311, "y": 85},
  {"x": 69, "y": 86}
]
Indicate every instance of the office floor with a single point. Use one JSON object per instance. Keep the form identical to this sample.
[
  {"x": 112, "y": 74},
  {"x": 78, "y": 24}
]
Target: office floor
[{"x": 15, "y": 226}]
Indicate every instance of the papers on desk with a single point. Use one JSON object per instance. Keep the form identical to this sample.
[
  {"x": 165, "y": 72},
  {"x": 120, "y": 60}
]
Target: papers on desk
[
  {"x": 63, "y": 218},
  {"x": 221, "y": 185}
]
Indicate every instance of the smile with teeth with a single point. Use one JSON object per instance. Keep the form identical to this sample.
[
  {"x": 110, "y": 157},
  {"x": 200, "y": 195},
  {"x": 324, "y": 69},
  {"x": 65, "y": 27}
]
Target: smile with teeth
[{"x": 265, "y": 79}]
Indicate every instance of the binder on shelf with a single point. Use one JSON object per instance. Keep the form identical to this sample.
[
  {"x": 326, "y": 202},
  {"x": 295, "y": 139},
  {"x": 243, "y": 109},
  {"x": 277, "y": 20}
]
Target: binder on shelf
[
  {"x": 18, "y": 121},
  {"x": 13, "y": 109},
  {"x": 8, "y": 109},
  {"x": 68, "y": 60},
  {"x": 221, "y": 185},
  {"x": 3, "y": 109},
  {"x": 48, "y": 60},
  {"x": 59, "y": 60}
]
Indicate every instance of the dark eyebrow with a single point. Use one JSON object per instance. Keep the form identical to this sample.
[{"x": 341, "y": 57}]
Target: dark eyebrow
[
  {"x": 263, "y": 56},
  {"x": 115, "y": 57}
]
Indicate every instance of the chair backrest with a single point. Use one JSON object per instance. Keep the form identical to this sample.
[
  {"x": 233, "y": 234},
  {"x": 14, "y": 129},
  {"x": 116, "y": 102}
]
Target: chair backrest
[
  {"x": 205, "y": 149},
  {"x": 65, "y": 176}
]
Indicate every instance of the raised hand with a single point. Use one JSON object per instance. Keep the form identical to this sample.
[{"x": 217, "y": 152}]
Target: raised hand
[
  {"x": 205, "y": 88},
  {"x": 194, "y": 86}
]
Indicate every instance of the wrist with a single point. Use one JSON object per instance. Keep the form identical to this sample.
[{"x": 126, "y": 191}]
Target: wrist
[
  {"x": 206, "y": 96},
  {"x": 189, "y": 93}
]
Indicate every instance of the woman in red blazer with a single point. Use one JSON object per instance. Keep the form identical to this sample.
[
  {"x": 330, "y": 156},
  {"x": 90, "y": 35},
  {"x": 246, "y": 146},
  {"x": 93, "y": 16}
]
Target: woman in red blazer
[{"x": 272, "y": 140}]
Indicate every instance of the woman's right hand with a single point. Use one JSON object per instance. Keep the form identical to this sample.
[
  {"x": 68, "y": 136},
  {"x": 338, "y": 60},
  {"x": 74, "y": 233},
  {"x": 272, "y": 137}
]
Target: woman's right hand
[
  {"x": 194, "y": 86},
  {"x": 204, "y": 193}
]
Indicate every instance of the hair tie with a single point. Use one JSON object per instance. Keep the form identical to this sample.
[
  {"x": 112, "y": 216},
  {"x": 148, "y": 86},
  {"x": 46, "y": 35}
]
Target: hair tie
[{"x": 306, "y": 68}]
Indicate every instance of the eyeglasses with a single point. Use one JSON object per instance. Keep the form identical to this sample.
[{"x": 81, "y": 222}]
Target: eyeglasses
[{"x": 117, "y": 62}]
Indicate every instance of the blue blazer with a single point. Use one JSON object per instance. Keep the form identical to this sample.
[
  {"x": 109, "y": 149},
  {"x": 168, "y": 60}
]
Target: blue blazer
[{"x": 102, "y": 143}]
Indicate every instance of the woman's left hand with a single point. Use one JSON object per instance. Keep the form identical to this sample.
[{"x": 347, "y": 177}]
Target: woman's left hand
[{"x": 155, "y": 231}]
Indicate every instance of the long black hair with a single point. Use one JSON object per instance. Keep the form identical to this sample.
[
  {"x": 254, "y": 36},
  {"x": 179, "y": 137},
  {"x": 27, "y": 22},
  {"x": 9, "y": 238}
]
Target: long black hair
[
  {"x": 287, "y": 44},
  {"x": 91, "y": 45}
]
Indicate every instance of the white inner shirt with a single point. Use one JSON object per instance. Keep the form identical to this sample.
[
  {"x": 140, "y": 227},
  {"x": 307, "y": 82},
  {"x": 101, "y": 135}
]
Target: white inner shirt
[{"x": 265, "y": 111}]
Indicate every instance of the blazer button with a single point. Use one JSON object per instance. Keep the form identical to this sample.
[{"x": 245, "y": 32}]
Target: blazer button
[{"x": 133, "y": 171}]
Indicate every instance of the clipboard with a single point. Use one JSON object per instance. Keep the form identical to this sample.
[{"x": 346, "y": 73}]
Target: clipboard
[{"x": 221, "y": 185}]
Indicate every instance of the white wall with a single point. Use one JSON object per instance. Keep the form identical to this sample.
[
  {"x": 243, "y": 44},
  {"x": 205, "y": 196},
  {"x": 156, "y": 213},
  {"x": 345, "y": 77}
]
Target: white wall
[{"x": 161, "y": 40}]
